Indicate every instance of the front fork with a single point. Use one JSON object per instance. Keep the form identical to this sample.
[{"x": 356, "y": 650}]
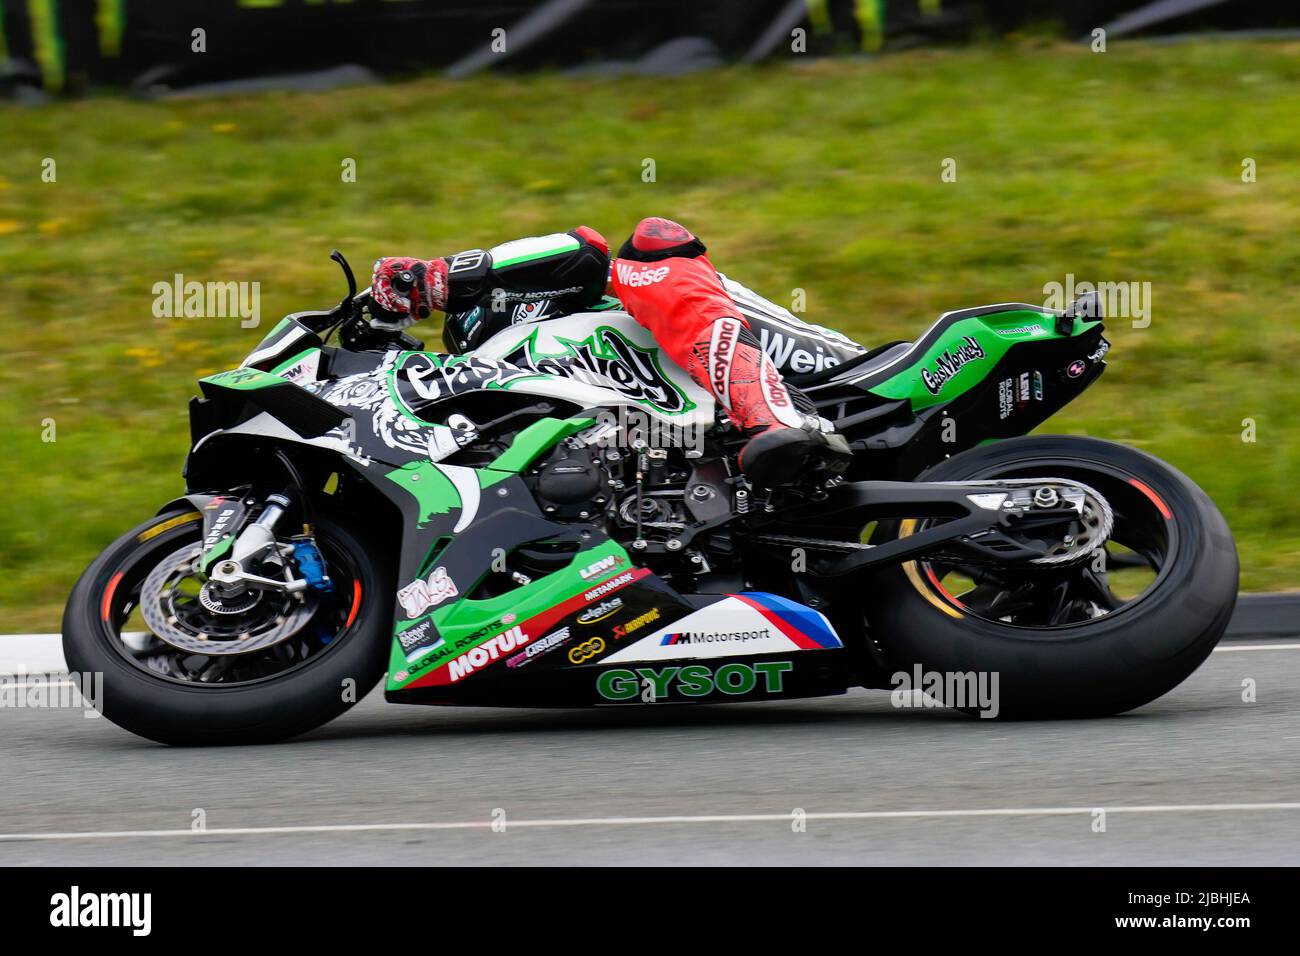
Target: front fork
[{"x": 233, "y": 547}]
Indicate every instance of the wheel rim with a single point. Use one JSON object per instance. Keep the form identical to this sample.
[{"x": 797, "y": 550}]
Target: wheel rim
[
  {"x": 124, "y": 626},
  {"x": 1139, "y": 555}
]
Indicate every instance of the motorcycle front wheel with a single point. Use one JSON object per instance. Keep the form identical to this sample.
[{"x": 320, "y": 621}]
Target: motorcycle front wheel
[{"x": 307, "y": 664}]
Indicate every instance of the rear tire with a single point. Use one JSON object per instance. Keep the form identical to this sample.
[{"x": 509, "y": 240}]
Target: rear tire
[
  {"x": 1107, "y": 665},
  {"x": 263, "y": 711}
]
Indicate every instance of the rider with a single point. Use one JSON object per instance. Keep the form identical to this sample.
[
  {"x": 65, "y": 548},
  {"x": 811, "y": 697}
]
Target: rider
[{"x": 663, "y": 279}]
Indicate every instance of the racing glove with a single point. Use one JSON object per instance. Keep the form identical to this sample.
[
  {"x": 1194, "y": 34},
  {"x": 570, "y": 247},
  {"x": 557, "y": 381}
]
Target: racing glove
[{"x": 407, "y": 290}]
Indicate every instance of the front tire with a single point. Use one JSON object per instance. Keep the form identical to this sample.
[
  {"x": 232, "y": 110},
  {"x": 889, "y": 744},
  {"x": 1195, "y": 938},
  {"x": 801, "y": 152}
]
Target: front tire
[
  {"x": 298, "y": 696},
  {"x": 1061, "y": 662}
]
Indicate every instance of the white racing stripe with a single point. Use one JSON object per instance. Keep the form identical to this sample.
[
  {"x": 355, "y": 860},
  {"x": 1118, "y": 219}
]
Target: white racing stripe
[{"x": 648, "y": 821}]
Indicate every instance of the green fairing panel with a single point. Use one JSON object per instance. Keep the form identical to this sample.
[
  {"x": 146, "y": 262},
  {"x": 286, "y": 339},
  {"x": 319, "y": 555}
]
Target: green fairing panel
[
  {"x": 288, "y": 334},
  {"x": 487, "y": 477},
  {"x": 531, "y": 443},
  {"x": 305, "y": 413},
  {"x": 242, "y": 379},
  {"x": 466, "y": 616},
  {"x": 292, "y": 361},
  {"x": 279, "y": 327},
  {"x": 430, "y": 487},
  {"x": 436, "y": 496},
  {"x": 282, "y": 331},
  {"x": 965, "y": 354}
]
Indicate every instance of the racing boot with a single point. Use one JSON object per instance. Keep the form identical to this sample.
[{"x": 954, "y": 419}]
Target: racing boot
[{"x": 787, "y": 439}]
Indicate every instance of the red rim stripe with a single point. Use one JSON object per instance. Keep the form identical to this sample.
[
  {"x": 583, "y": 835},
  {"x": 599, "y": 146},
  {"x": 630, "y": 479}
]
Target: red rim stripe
[
  {"x": 934, "y": 579},
  {"x": 1155, "y": 498},
  {"x": 108, "y": 594},
  {"x": 356, "y": 604}
]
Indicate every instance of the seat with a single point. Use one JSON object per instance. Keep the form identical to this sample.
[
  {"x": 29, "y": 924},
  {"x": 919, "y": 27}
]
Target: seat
[{"x": 857, "y": 367}]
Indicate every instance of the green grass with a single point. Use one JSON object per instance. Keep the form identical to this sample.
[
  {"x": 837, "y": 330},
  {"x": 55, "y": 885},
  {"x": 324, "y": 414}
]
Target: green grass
[{"x": 820, "y": 176}]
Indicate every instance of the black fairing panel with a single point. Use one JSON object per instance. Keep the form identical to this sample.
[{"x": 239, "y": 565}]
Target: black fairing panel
[{"x": 895, "y": 442}]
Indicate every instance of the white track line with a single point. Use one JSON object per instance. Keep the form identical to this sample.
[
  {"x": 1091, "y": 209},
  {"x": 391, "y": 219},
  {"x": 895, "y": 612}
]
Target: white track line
[
  {"x": 24, "y": 653},
  {"x": 1229, "y": 648},
  {"x": 644, "y": 821},
  {"x": 5, "y": 670}
]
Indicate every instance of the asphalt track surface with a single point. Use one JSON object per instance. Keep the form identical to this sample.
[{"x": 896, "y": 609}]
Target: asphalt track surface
[{"x": 1198, "y": 777}]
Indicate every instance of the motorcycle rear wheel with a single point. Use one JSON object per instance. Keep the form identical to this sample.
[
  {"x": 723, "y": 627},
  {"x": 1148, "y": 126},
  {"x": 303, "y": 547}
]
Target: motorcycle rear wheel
[{"x": 1063, "y": 642}]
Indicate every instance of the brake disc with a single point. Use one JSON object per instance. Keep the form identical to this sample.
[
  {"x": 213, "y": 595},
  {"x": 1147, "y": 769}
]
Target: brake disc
[{"x": 203, "y": 620}]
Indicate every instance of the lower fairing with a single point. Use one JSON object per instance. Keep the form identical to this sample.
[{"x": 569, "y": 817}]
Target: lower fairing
[{"x": 681, "y": 681}]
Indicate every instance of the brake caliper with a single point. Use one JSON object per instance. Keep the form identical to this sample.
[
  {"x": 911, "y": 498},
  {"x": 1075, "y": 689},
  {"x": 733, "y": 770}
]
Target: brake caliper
[{"x": 311, "y": 565}]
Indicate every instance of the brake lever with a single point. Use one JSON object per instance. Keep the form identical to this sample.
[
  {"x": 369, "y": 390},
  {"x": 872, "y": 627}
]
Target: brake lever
[{"x": 347, "y": 272}]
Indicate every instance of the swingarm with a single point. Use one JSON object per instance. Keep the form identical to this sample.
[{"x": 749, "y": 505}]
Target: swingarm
[{"x": 1039, "y": 521}]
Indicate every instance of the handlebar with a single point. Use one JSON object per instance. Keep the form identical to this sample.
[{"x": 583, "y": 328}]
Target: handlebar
[
  {"x": 348, "y": 317},
  {"x": 404, "y": 281}
]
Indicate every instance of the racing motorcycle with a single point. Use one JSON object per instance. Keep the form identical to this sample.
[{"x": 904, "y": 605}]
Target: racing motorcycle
[{"x": 557, "y": 519}]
